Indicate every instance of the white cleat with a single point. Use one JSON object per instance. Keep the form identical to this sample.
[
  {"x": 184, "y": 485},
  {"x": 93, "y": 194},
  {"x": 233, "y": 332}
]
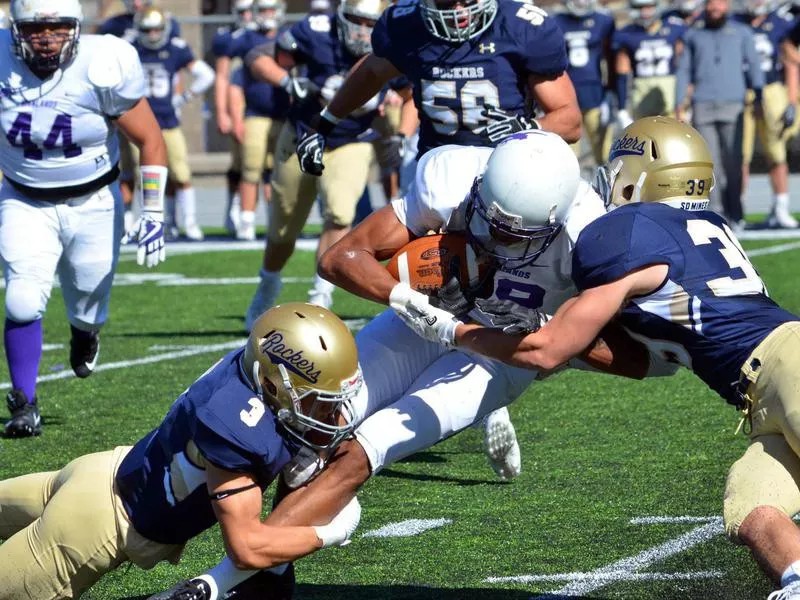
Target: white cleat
[
  {"x": 265, "y": 297},
  {"x": 781, "y": 218},
  {"x": 194, "y": 233},
  {"x": 246, "y": 232},
  {"x": 790, "y": 592},
  {"x": 320, "y": 299},
  {"x": 500, "y": 444}
]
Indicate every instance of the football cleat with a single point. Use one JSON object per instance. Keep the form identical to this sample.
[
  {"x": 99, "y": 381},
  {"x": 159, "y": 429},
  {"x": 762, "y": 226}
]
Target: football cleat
[
  {"x": 781, "y": 218},
  {"x": 246, "y": 232},
  {"x": 84, "y": 348},
  {"x": 267, "y": 292},
  {"x": 265, "y": 585},
  {"x": 25, "y": 419},
  {"x": 788, "y": 592},
  {"x": 320, "y": 299},
  {"x": 194, "y": 233},
  {"x": 500, "y": 444},
  {"x": 190, "y": 589}
]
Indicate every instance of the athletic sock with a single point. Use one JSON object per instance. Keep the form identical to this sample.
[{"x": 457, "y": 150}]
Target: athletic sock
[{"x": 23, "y": 343}]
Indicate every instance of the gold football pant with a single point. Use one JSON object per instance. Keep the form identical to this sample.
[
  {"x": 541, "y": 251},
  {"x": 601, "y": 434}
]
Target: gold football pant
[
  {"x": 770, "y": 127},
  {"x": 768, "y": 474},
  {"x": 293, "y": 192},
  {"x": 260, "y": 138},
  {"x": 65, "y": 529},
  {"x": 599, "y": 137},
  {"x": 653, "y": 96}
]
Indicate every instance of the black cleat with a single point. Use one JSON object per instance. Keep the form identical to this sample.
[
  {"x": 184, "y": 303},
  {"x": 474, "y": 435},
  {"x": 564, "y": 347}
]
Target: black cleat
[
  {"x": 84, "y": 348},
  {"x": 194, "y": 589},
  {"x": 265, "y": 585},
  {"x": 25, "y": 420}
]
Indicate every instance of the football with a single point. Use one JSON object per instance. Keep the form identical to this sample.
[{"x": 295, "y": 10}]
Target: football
[{"x": 425, "y": 262}]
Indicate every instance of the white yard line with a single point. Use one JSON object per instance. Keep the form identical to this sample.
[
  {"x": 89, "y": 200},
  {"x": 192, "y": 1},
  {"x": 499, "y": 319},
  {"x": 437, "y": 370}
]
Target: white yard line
[
  {"x": 612, "y": 576},
  {"x": 407, "y": 528},
  {"x": 777, "y": 249}
]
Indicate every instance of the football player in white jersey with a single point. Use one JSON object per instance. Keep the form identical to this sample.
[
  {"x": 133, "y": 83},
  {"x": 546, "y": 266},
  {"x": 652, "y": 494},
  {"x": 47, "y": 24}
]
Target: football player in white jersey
[
  {"x": 61, "y": 95},
  {"x": 524, "y": 204}
]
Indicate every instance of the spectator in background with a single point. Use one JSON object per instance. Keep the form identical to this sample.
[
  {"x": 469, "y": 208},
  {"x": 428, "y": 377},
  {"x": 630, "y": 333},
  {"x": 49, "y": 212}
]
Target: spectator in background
[
  {"x": 770, "y": 30},
  {"x": 721, "y": 62}
]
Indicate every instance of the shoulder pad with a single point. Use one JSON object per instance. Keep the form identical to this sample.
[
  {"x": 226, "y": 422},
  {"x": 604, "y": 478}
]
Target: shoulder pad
[
  {"x": 179, "y": 42},
  {"x": 108, "y": 68}
]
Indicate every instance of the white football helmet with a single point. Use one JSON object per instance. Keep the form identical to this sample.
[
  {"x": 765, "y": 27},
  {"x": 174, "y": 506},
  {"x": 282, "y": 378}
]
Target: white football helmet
[
  {"x": 268, "y": 14},
  {"x": 154, "y": 28},
  {"x": 644, "y": 12},
  {"x": 355, "y": 20},
  {"x": 517, "y": 206},
  {"x": 243, "y": 13},
  {"x": 457, "y": 24},
  {"x": 757, "y": 8},
  {"x": 27, "y": 17},
  {"x": 581, "y": 8}
]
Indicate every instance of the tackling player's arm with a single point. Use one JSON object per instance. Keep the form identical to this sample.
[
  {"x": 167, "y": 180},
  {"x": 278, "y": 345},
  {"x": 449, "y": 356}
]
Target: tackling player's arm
[
  {"x": 556, "y": 96},
  {"x": 249, "y": 542},
  {"x": 353, "y": 262},
  {"x": 273, "y": 70},
  {"x": 573, "y": 328}
]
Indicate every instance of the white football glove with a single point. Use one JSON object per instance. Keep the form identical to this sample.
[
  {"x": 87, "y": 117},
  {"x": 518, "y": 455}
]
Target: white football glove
[
  {"x": 431, "y": 323},
  {"x": 623, "y": 118},
  {"x": 148, "y": 232},
  {"x": 339, "y": 531}
]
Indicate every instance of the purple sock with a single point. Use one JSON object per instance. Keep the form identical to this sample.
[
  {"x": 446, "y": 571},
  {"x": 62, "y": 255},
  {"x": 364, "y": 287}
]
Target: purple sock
[{"x": 23, "y": 351}]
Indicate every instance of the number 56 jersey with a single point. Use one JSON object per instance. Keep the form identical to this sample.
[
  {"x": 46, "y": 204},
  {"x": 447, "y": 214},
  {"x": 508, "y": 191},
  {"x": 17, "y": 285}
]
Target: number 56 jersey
[
  {"x": 452, "y": 82},
  {"x": 58, "y": 132},
  {"x": 712, "y": 310}
]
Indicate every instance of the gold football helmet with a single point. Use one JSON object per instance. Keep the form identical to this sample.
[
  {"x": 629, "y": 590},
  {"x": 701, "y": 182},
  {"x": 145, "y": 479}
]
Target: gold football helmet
[
  {"x": 658, "y": 159},
  {"x": 303, "y": 362},
  {"x": 154, "y": 27}
]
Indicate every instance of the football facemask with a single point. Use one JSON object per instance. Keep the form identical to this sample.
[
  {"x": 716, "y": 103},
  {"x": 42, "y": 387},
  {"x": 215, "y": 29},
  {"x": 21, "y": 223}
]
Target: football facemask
[{"x": 458, "y": 20}]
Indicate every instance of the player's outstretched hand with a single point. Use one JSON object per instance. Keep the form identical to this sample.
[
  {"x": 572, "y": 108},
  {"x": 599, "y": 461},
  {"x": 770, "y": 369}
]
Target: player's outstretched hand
[
  {"x": 339, "y": 531},
  {"x": 148, "y": 232},
  {"x": 428, "y": 322},
  {"x": 512, "y": 318},
  {"x": 452, "y": 297},
  {"x": 503, "y": 123},
  {"x": 190, "y": 589},
  {"x": 310, "y": 150}
]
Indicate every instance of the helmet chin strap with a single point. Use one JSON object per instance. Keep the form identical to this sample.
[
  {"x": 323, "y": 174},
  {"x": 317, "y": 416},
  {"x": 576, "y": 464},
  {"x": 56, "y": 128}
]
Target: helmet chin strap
[{"x": 637, "y": 189}]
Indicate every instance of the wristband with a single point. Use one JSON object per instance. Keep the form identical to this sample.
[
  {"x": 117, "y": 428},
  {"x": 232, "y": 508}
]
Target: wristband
[{"x": 153, "y": 183}]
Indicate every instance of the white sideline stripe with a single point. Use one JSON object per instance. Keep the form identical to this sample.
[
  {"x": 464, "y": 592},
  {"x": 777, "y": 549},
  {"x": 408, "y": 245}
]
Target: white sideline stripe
[
  {"x": 603, "y": 576},
  {"x": 611, "y": 576},
  {"x": 777, "y": 249},
  {"x": 406, "y": 528},
  {"x": 768, "y": 234},
  {"x": 46, "y": 347},
  {"x": 660, "y": 520},
  {"x": 122, "y": 364}
]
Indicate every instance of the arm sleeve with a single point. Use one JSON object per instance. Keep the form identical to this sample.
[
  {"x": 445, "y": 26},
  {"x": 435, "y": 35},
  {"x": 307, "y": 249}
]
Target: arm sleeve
[
  {"x": 203, "y": 77},
  {"x": 545, "y": 48},
  {"x": 684, "y": 72},
  {"x": 118, "y": 77},
  {"x": 616, "y": 244},
  {"x": 754, "y": 74}
]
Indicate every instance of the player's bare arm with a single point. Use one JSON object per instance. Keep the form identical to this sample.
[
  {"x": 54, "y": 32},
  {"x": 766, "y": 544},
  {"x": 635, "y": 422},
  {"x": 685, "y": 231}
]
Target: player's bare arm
[
  {"x": 269, "y": 69},
  {"x": 236, "y": 106},
  {"x": 555, "y": 95},
  {"x": 353, "y": 262},
  {"x": 572, "y": 329},
  {"x": 140, "y": 126},
  {"x": 365, "y": 79},
  {"x": 409, "y": 116},
  {"x": 222, "y": 67}
]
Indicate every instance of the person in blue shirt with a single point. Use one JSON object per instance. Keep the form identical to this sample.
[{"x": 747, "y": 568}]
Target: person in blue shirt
[
  {"x": 674, "y": 275},
  {"x": 777, "y": 115},
  {"x": 647, "y": 51},
  {"x": 588, "y": 33},
  {"x": 163, "y": 57},
  {"x": 243, "y": 13},
  {"x": 287, "y": 393},
  {"x": 266, "y": 108}
]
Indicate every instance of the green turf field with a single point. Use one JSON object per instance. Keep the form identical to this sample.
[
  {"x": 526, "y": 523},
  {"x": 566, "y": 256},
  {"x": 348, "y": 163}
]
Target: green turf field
[{"x": 620, "y": 494}]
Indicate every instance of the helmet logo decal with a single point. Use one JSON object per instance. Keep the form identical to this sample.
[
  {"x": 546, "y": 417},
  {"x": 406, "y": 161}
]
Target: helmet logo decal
[
  {"x": 627, "y": 146},
  {"x": 294, "y": 360}
]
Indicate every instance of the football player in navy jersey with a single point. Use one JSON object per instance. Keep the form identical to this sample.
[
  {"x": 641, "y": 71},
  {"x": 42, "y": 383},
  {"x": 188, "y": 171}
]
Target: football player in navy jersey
[
  {"x": 676, "y": 278},
  {"x": 163, "y": 57},
  {"x": 243, "y": 13},
  {"x": 472, "y": 65},
  {"x": 588, "y": 34},
  {"x": 266, "y": 108},
  {"x": 288, "y": 392},
  {"x": 778, "y": 111},
  {"x": 122, "y": 25},
  {"x": 648, "y": 50},
  {"x": 327, "y": 46}
]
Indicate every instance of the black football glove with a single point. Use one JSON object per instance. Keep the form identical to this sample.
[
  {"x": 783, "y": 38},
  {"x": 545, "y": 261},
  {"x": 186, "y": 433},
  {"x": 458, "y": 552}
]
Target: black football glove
[
  {"x": 512, "y": 318},
  {"x": 457, "y": 298},
  {"x": 310, "y": 150},
  {"x": 502, "y": 123},
  {"x": 190, "y": 589}
]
